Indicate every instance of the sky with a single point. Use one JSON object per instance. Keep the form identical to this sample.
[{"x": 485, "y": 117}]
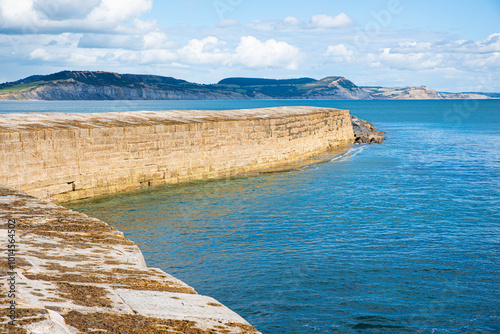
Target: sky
[{"x": 447, "y": 45}]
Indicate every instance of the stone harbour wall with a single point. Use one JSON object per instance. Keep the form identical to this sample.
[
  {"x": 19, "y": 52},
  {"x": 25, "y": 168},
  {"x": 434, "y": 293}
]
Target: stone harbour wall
[
  {"x": 64, "y": 157},
  {"x": 75, "y": 274}
]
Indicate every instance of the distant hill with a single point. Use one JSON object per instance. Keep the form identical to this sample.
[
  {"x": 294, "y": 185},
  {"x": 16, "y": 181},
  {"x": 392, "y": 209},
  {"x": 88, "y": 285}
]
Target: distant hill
[
  {"x": 329, "y": 88},
  {"x": 492, "y": 95},
  {"x": 91, "y": 85},
  {"x": 88, "y": 85},
  {"x": 417, "y": 93},
  {"x": 264, "y": 82}
]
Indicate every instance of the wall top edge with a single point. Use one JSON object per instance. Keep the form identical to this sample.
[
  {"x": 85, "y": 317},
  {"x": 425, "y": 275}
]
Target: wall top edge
[{"x": 41, "y": 121}]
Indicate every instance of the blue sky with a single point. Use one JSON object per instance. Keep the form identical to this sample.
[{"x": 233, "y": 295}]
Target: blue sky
[{"x": 443, "y": 44}]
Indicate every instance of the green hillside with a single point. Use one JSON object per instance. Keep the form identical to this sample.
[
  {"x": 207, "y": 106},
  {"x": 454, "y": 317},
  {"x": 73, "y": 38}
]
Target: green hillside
[
  {"x": 92, "y": 85},
  {"x": 242, "y": 88}
]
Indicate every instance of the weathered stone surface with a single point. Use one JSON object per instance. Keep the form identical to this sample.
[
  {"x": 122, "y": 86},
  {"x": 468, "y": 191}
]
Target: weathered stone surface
[
  {"x": 76, "y": 274},
  {"x": 365, "y": 132},
  {"x": 64, "y": 157}
]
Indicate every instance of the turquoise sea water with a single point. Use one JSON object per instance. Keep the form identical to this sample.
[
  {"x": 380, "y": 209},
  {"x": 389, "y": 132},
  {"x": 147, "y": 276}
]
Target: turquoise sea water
[{"x": 401, "y": 237}]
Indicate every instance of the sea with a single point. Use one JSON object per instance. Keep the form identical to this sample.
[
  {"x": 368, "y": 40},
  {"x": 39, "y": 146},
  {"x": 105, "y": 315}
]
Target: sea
[{"x": 401, "y": 237}]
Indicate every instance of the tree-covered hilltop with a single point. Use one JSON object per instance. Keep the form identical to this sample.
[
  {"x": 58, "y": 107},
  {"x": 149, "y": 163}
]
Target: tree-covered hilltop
[{"x": 100, "y": 79}]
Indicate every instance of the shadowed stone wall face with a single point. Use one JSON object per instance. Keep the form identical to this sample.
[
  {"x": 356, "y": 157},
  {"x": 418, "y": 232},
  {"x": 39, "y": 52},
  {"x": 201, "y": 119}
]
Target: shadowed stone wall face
[{"x": 64, "y": 157}]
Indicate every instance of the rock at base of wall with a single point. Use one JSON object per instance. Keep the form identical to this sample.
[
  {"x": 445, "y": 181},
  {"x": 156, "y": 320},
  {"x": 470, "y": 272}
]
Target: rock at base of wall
[{"x": 365, "y": 132}]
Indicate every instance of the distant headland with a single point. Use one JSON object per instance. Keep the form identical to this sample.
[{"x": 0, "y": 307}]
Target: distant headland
[{"x": 91, "y": 85}]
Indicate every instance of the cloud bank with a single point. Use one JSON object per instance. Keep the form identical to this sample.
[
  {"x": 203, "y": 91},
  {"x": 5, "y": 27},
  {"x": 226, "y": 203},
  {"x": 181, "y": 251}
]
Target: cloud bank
[
  {"x": 462, "y": 55},
  {"x": 59, "y": 16},
  {"x": 113, "y": 35}
]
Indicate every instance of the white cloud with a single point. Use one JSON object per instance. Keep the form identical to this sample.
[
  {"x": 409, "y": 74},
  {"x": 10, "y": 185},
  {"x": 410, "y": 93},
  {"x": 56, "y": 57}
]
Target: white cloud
[
  {"x": 38, "y": 16},
  {"x": 340, "y": 53},
  {"x": 488, "y": 45},
  {"x": 494, "y": 40},
  {"x": 68, "y": 57},
  {"x": 156, "y": 40},
  {"x": 407, "y": 61},
  {"x": 227, "y": 23},
  {"x": 266, "y": 25},
  {"x": 66, "y": 49},
  {"x": 154, "y": 56},
  {"x": 78, "y": 57},
  {"x": 414, "y": 47},
  {"x": 137, "y": 26},
  {"x": 91, "y": 49},
  {"x": 319, "y": 21},
  {"x": 463, "y": 55},
  {"x": 256, "y": 54},
  {"x": 250, "y": 52},
  {"x": 109, "y": 34},
  {"x": 327, "y": 21},
  {"x": 58, "y": 10},
  {"x": 291, "y": 20},
  {"x": 204, "y": 51},
  {"x": 484, "y": 62},
  {"x": 420, "y": 54}
]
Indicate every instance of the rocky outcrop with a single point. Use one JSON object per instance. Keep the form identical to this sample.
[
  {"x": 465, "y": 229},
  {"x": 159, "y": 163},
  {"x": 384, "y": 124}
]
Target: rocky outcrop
[{"x": 365, "y": 132}]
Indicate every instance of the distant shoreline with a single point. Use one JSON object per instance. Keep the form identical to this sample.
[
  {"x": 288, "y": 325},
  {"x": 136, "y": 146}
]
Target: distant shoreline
[{"x": 104, "y": 86}]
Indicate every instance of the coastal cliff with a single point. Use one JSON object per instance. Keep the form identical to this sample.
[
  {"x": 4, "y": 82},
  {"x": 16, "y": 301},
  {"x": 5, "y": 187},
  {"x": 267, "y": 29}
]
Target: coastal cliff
[
  {"x": 89, "y": 85},
  {"x": 74, "y": 90},
  {"x": 417, "y": 93}
]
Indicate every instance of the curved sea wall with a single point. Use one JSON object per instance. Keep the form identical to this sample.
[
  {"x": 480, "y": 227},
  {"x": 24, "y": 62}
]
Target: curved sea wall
[
  {"x": 65, "y": 272},
  {"x": 63, "y": 157}
]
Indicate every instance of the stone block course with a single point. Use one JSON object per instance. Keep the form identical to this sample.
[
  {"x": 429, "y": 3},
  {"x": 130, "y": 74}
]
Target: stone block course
[{"x": 109, "y": 152}]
